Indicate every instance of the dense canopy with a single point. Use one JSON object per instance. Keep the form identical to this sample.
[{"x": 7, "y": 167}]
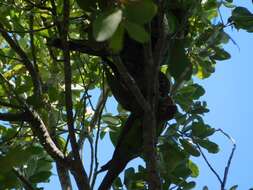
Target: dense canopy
[{"x": 145, "y": 53}]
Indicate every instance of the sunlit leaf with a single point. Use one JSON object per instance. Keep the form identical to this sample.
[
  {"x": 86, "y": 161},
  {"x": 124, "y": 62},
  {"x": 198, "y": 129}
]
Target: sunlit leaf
[{"x": 106, "y": 24}]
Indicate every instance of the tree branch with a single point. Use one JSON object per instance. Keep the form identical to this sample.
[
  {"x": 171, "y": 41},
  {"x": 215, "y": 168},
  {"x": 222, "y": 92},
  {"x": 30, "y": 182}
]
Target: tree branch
[
  {"x": 84, "y": 46},
  {"x": 38, "y": 127},
  {"x": 149, "y": 118},
  {"x": 77, "y": 166},
  {"x": 40, "y": 130},
  {"x": 64, "y": 177},
  {"x": 28, "y": 64},
  {"x": 20, "y": 116},
  {"x": 208, "y": 163},
  {"x": 94, "y": 177},
  {"x": 99, "y": 108}
]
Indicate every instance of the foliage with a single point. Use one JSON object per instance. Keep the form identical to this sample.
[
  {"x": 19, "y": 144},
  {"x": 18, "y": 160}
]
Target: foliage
[{"x": 33, "y": 88}]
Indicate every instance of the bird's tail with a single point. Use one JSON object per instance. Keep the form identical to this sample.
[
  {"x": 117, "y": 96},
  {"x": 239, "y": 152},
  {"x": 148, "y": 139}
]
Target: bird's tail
[{"x": 112, "y": 173}]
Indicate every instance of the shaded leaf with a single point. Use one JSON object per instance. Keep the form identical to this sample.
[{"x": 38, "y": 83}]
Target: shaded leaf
[
  {"x": 233, "y": 187},
  {"x": 40, "y": 177},
  {"x": 189, "y": 185},
  {"x": 116, "y": 41},
  {"x": 179, "y": 64},
  {"x": 140, "y": 12},
  {"x": 137, "y": 32},
  {"x": 220, "y": 54},
  {"x": 201, "y": 130},
  {"x": 189, "y": 147},
  {"x": 87, "y": 5},
  {"x": 210, "y": 146},
  {"x": 242, "y": 18}
]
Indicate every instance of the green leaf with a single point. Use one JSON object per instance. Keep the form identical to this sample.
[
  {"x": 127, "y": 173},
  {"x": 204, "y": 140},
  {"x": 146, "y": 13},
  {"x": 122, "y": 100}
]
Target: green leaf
[
  {"x": 117, "y": 184},
  {"x": 220, "y": 54},
  {"x": 242, "y": 18},
  {"x": 87, "y": 5},
  {"x": 172, "y": 23},
  {"x": 179, "y": 63},
  {"x": 210, "y": 146},
  {"x": 205, "y": 68},
  {"x": 114, "y": 135},
  {"x": 106, "y": 24},
  {"x": 189, "y": 185},
  {"x": 193, "y": 91},
  {"x": 14, "y": 158},
  {"x": 43, "y": 164},
  {"x": 172, "y": 156},
  {"x": 228, "y": 4},
  {"x": 40, "y": 177},
  {"x": 205, "y": 188},
  {"x": 61, "y": 142},
  {"x": 129, "y": 173},
  {"x": 233, "y": 187},
  {"x": 140, "y": 12},
  {"x": 9, "y": 181},
  {"x": 201, "y": 130},
  {"x": 33, "y": 150},
  {"x": 199, "y": 91},
  {"x": 110, "y": 120},
  {"x": 116, "y": 41},
  {"x": 182, "y": 171},
  {"x": 189, "y": 147},
  {"x": 194, "y": 169},
  {"x": 137, "y": 32}
]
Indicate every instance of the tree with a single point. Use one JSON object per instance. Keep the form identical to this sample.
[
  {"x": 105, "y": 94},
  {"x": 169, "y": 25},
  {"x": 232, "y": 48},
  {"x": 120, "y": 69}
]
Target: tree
[{"x": 144, "y": 53}]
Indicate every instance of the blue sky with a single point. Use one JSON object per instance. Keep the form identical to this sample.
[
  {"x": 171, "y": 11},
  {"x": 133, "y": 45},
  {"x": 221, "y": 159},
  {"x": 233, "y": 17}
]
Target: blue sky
[{"x": 229, "y": 96}]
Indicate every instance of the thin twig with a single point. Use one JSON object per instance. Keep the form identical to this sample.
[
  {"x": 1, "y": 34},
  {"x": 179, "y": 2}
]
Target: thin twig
[
  {"x": 225, "y": 176},
  {"x": 208, "y": 163},
  {"x": 4, "y": 141},
  {"x": 99, "y": 110},
  {"x": 77, "y": 169},
  {"x": 91, "y": 157},
  {"x": 30, "y": 30},
  {"x": 96, "y": 155},
  {"x": 229, "y": 160},
  {"x": 31, "y": 23}
]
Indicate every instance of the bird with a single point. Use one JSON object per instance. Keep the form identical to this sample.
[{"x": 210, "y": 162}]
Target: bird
[{"x": 130, "y": 141}]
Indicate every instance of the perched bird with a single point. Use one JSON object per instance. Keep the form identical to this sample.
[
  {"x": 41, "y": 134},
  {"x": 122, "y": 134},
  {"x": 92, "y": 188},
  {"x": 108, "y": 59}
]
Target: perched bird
[{"x": 130, "y": 141}]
